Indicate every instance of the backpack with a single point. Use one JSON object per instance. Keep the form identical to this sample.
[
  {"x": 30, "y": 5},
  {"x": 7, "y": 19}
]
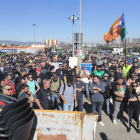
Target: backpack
[
  {"x": 65, "y": 87},
  {"x": 59, "y": 82}
]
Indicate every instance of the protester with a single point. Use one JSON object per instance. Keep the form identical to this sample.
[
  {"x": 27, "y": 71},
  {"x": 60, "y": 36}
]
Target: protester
[
  {"x": 84, "y": 77},
  {"x": 120, "y": 101},
  {"x": 134, "y": 106},
  {"x": 11, "y": 82},
  {"x": 44, "y": 96},
  {"x": 106, "y": 94},
  {"x": 55, "y": 85},
  {"x": 97, "y": 89},
  {"x": 33, "y": 87},
  {"x": 80, "y": 88},
  {"x": 6, "y": 90},
  {"x": 26, "y": 93},
  {"x": 68, "y": 94},
  {"x": 39, "y": 77}
]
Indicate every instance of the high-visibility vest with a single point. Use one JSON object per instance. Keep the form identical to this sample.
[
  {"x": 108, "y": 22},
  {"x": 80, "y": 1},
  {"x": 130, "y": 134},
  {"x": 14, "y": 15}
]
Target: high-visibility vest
[
  {"x": 126, "y": 71},
  {"x": 110, "y": 64}
]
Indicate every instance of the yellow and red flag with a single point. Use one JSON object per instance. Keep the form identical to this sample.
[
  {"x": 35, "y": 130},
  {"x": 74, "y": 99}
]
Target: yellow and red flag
[{"x": 113, "y": 33}]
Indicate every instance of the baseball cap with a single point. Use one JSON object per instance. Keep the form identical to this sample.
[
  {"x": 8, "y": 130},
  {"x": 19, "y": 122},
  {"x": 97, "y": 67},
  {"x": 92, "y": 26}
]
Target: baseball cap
[
  {"x": 78, "y": 76},
  {"x": 99, "y": 63},
  {"x": 38, "y": 69},
  {"x": 106, "y": 75},
  {"x": 9, "y": 73}
]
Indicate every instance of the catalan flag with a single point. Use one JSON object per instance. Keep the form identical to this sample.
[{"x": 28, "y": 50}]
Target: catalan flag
[{"x": 115, "y": 30}]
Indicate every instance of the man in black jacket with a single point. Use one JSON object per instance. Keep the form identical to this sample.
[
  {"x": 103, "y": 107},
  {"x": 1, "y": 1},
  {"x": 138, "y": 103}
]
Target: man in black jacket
[
  {"x": 79, "y": 92},
  {"x": 44, "y": 96},
  {"x": 107, "y": 91}
]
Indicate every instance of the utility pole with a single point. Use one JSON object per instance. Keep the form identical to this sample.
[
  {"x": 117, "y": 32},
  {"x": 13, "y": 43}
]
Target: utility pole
[
  {"x": 73, "y": 19},
  {"x": 34, "y": 37}
]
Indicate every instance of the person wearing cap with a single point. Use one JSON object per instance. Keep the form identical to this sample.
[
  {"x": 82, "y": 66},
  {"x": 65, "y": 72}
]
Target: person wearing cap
[
  {"x": 99, "y": 70},
  {"x": 106, "y": 94},
  {"x": 79, "y": 92},
  {"x": 113, "y": 65},
  {"x": 129, "y": 63},
  {"x": 7, "y": 68},
  {"x": 9, "y": 80},
  {"x": 39, "y": 77}
]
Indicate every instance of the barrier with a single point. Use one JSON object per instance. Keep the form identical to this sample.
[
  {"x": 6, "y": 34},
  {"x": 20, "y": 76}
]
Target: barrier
[{"x": 64, "y": 125}]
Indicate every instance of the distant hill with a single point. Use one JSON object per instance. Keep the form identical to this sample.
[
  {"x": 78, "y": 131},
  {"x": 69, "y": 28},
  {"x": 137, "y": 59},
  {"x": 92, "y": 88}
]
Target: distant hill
[{"x": 18, "y": 42}]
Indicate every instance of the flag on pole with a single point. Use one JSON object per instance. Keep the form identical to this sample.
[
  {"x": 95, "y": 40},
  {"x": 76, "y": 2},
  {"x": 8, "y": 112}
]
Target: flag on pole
[{"x": 116, "y": 30}]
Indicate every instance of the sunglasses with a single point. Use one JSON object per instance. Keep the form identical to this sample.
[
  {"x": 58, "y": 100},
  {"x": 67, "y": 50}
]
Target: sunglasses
[
  {"x": 8, "y": 89},
  {"x": 134, "y": 85},
  {"x": 30, "y": 77}
]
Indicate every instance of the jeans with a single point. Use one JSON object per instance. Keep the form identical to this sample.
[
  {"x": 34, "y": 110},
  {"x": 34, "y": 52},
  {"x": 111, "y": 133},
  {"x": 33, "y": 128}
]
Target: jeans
[
  {"x": 68, "y": 107},
  {"x": 80, "y": 104},
  {"x": 107, "y": 105},
  {"x": 119, "y": 106},
  {"x": 98, "y": 105},
  {"x": 53, "y": 99},
  {"x": 87, "y": 89}
]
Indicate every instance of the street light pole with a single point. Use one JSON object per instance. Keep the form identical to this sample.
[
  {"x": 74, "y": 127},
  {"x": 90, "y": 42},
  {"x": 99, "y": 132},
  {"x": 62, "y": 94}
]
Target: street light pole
[
  {"x": 34, "y": 37},
  {"x": 79, "y": 30},
  {"x": 73, "y": 19}
]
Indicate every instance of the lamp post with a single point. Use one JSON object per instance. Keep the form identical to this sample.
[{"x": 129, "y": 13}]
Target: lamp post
[
  {"x": 79, "y": 30},
  {"x": 73, "y": 19},
  {"x": 34, "y": 37}
]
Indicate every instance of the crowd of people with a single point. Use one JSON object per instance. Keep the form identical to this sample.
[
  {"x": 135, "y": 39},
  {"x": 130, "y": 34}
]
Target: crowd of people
[{"x": 113, "y": 81}]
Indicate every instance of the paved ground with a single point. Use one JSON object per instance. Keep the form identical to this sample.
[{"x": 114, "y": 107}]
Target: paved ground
[{"x": 111, "y": 131}]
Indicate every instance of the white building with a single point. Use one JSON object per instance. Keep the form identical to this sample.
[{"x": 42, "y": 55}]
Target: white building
[{"x": 38, "y": 45}]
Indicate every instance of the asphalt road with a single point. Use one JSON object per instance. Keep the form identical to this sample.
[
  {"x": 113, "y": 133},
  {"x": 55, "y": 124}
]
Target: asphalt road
[{"x": 111, "y": 131}]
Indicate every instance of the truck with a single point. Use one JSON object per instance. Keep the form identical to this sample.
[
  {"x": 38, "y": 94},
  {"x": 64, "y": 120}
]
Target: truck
[{"x": 117, "y": 51}]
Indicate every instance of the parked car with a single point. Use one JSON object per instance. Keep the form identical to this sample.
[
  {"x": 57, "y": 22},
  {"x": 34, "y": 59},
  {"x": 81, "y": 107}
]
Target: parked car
[
  {"x": 138, "y": 56},
  {"x": 107, "y": 52}
]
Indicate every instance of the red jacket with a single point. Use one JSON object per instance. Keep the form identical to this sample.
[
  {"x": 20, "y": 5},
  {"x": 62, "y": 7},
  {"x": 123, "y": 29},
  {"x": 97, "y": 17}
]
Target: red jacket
[{"x": 13, "y": 91}]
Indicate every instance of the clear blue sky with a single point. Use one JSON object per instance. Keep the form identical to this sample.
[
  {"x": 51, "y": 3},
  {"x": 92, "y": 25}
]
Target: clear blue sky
[{"x": 51, "y": 17}]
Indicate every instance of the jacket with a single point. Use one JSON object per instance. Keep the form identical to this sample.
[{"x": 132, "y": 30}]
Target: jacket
[
  {"x": 107, "y": 88},
  {"x": 46, "y": 99}
]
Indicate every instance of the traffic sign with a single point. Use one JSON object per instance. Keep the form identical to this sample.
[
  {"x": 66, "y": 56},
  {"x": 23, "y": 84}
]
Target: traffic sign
[
  {"x": 88, "y": 66},
  {"x": 131, "y": 50}
]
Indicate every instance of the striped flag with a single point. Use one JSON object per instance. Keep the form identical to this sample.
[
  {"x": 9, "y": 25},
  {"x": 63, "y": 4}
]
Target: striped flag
[{"x": 113, "y": 33}]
